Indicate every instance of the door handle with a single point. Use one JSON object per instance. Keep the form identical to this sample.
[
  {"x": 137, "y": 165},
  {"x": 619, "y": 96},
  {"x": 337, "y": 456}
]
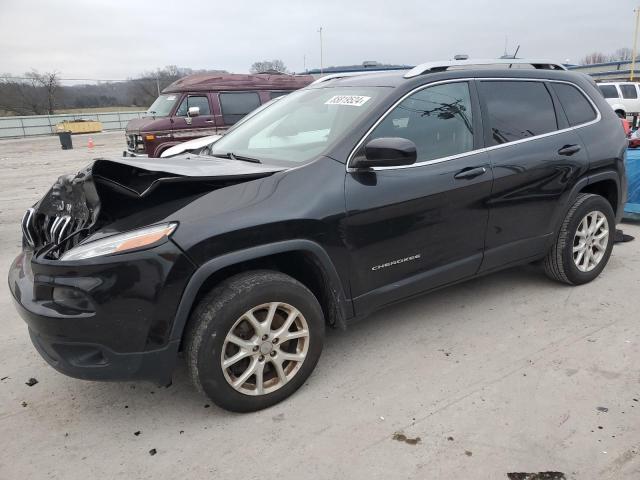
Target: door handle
[
  {"x": 569, "y": 150},
  {"x": 469, "y": 173},
  {"x": 209, "y": 121}
]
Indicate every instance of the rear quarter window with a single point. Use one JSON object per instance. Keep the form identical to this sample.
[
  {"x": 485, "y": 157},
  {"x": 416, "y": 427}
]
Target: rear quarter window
[
  {"x": 577, "y": 108},
  {"x": 629, "y": 91},
  {"x": 518, "y": 109},
  {"x": 609, "y": 91}
]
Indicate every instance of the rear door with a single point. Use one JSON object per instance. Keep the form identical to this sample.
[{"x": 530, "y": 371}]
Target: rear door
[
  {"x": 536, "y": 157},
  {"x": 186, "y": 127},
  {"x": 414, "y": 228}
]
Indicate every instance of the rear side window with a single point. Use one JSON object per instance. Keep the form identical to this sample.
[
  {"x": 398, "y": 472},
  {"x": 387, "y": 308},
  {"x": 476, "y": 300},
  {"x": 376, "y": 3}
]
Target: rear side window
[
  {"x": 236, "y": 105},
  {"x": 200, "y": 101},
  {"x": 629, "y": 91},
  {"x": 518, "y": 110},
  {"x": 609, "y": 91},
  {"x": 437, "y": 119},
  {"x": 574, "y": 103}
]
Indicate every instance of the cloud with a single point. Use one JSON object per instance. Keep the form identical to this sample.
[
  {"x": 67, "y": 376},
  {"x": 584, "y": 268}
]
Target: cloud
[{"x": 113, "y": 39}]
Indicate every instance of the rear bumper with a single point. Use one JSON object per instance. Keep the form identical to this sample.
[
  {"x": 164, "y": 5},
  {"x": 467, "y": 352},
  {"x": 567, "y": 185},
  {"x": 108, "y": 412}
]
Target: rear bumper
[{"x": 104, "y": 321}]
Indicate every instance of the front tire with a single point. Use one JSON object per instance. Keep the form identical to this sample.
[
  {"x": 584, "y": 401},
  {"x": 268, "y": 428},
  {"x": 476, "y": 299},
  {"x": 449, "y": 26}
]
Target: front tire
[
  {"x": 254, "y": 340},
  {"x": 584, "y": 243}
]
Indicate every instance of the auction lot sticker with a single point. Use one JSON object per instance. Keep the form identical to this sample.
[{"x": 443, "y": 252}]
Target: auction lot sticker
[{"x": 353, "y": 100}]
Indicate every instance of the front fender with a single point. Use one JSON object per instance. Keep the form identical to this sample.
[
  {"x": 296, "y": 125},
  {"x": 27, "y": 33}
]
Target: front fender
[{"x": 216, "y": 264}]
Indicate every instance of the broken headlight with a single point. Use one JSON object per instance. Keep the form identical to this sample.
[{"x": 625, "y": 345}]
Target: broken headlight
[{"x": 121, "y": 242}]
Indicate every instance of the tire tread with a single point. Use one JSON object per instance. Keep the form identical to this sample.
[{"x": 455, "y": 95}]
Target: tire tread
[{"x": 554, "y": 266}]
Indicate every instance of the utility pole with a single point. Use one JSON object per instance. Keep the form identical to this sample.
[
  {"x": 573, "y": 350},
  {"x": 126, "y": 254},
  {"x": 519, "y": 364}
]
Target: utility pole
[
  {"x": 321, "y": 65},
  {"x": 635, "y": 43},
  {"x": 304, "y": 63}
]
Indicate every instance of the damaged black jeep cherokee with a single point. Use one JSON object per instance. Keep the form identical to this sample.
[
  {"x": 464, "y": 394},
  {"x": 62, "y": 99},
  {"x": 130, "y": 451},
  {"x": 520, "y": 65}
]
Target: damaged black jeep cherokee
[{"x": 344, "y": 197}]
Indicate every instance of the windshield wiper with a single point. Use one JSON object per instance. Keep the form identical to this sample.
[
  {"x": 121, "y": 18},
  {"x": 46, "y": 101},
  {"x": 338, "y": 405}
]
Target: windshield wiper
[{"x": 233, "y": 156}]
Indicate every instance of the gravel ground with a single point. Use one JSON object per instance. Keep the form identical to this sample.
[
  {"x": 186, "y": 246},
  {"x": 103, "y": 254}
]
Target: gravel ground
[{"x": 507, "y": 373}]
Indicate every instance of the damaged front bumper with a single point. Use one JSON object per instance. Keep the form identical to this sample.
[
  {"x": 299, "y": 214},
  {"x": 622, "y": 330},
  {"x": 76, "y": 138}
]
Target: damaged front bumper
[{"x": 105, "y": 319}]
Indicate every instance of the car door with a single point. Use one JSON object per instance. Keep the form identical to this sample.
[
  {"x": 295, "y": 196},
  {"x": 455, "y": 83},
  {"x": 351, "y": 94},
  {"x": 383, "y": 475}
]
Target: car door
[
  {"x": 536, "y": 158},
  {"x": 410, "y": 229},
  {"x": 187, "y": 127}
]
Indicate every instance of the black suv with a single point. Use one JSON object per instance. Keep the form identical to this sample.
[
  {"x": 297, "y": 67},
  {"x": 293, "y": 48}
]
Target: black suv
[{"x": 348, "y": 195}]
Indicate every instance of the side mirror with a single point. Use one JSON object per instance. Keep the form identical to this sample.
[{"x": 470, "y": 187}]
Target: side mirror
[
  {"x": 193, "y": 111},
  {"x": 387, "y": 152}
]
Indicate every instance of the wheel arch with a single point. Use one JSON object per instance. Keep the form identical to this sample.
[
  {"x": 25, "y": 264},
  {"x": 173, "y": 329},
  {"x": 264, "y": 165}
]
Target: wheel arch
[
  {"x": 606, "y": 187},
  {"x": 304, "y": 260},
  {"x": 606, "y": 184}
]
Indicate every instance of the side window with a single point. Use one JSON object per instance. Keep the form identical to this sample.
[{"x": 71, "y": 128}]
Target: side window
[
  {"x": 273, "y": 95},
  {"x": 578, "y": 109},
  {"x": 518, "y": 109},
  {"x": 237, "y": 105},
  {"x": 200, "y": 101},
  {"x": 629, "y": 91},
  {"x": 437, "y": 119},
  {"x": 609, "y": 91}
]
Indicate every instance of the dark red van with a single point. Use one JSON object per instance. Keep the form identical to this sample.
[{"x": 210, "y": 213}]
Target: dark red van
[{"x": 203, "y": 104}]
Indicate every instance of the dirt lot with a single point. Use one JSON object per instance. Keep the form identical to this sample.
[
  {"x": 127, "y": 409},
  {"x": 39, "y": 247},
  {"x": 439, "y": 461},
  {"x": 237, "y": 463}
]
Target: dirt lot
[{"x": 508, "y": 373}]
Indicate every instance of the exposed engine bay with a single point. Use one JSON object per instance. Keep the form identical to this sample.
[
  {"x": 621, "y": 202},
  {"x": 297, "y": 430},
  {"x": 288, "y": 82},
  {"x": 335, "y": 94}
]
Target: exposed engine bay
[{"x": 78, "y": 205}]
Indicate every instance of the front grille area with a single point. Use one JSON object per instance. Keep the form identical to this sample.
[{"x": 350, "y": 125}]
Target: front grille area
[
  {"x": 135, "y": 143},
  {"x": 60, "y": 231}
]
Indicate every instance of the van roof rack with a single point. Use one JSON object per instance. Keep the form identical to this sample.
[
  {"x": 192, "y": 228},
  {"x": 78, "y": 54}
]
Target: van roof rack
[{"x": 441, "y": 66}]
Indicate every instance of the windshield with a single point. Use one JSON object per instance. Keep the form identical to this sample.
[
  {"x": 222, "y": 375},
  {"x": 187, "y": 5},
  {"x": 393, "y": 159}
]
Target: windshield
[
  {"x": 300, "y": 126},
  {"x": 163, "y": 105}
]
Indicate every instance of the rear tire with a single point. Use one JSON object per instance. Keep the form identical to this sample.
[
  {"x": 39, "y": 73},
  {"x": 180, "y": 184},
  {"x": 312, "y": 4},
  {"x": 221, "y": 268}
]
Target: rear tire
[
  {"x": 254, "y": 340},
  {"x": 584, "y": 243}
]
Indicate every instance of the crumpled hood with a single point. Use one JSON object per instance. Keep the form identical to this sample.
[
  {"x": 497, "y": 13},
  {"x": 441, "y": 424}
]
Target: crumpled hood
[
  {"x": 148, "y": 173},
  {"x": 109, "y": 190}
]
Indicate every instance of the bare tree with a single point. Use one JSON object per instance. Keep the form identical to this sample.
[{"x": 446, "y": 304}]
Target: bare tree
[
  {"x": 594, "y": 57},
  {"x": 32, "y": 94},
  {"x": 623, "y": 54},
  {"x": 50, "y": 82},
  {"x": 268, "y": 66}
]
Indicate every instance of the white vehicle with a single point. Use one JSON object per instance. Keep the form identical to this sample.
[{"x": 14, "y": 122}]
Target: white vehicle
[
  {"x": 624, "y": 97},
  {"x": 192, "y": 146}
]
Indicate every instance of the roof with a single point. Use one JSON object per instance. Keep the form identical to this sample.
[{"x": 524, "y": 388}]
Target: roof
[
  {"x": 233, "y": 81},
  {"x": 439, "y": 71},
  {"x": 430, "y": 67}
]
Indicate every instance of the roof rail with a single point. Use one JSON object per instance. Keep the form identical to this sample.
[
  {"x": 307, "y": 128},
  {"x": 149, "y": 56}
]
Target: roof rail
[
  {"x": 441, "y": 66},
  {"x": 334, "y": 76}
]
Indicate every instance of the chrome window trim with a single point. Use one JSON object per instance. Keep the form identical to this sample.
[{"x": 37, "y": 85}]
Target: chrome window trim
[{"x": 478, "y": 150}]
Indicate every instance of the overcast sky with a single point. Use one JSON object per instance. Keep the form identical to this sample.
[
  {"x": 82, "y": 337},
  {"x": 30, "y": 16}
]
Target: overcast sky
[{"x": 113, "y": 39}]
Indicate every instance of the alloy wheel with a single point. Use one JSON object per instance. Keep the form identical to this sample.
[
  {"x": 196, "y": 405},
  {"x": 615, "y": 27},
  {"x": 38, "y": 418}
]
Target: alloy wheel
[
  {"x": 590, "y": 241},
  {"x": 265, "y": 348}
]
